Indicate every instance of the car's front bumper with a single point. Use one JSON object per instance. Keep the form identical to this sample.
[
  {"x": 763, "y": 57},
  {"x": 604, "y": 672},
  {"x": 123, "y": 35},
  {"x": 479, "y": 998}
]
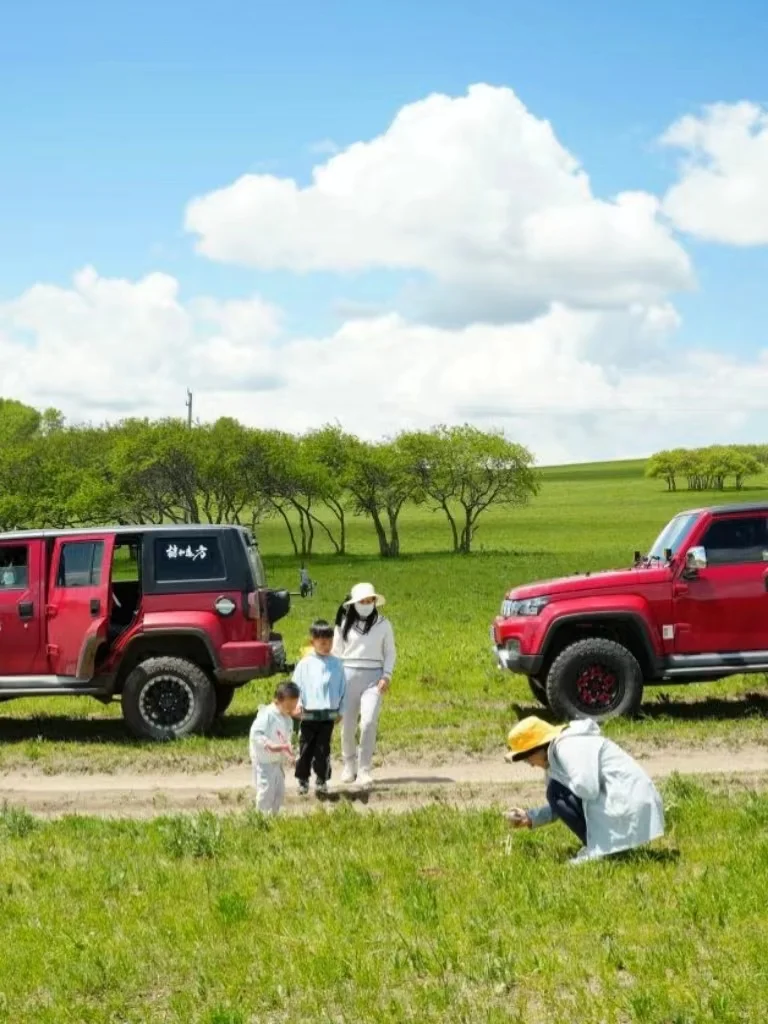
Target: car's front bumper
[{"x": 508, "y": 656}]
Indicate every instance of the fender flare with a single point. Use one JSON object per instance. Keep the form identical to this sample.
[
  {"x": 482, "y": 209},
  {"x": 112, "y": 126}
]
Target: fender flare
[
  {"x": 654, "y": 659},
  {"x": 199, "y": 634}
]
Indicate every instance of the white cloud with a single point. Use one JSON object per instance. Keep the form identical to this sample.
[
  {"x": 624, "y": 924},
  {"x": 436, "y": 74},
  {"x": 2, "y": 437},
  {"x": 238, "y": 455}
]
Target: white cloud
[
  {"x": 107, "y": 345},
  {"x": 323, "y": 147},
  {"x": 573, "y": 384},
  {"x": 475, "y": 192},
  {"x": 722, "y": 194}
]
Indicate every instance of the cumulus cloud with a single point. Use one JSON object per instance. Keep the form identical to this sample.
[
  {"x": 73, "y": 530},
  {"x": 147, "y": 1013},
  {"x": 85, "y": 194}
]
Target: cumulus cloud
[
  {"x": 104, "y": 348},
  {"x": 106, "y": 345},
  {"x": 721, "y": 195},
  {"x": 475, "y": 192}
]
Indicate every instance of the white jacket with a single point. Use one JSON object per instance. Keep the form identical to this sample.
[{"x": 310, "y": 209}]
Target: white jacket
[
  {"x": 273, "y": 727},
  {"x": 374, "y": 649},
  {"x": 622, "y": 806}
]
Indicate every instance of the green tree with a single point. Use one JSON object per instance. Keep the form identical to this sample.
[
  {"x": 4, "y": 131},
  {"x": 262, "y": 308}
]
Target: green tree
[
  {"x": 330, "y": 451},
  {"x": 463, "y": 472},
  {"x": 380, "y": 481},
  {"x": 665, "y": 466}
]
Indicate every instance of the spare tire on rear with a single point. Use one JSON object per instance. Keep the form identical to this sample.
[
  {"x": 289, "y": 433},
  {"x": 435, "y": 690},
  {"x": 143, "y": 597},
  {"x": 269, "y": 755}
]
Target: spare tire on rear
[
  {"x": 166, "y": 698},
  {"x": 595, "y": 678}
]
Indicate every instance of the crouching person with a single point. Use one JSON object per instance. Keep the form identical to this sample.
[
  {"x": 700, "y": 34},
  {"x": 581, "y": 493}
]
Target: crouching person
[
  {"x": 594, "y": 787},
  {"x": 270, "y": 747}
]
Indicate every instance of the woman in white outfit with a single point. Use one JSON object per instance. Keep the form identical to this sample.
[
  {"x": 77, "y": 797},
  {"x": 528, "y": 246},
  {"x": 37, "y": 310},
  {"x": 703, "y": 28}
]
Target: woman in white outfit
[{"x": 365, "y": 642}]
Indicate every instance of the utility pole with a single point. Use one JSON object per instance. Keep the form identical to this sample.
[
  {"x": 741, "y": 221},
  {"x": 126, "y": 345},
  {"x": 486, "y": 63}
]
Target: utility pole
[{"x": 189, "y": 408}]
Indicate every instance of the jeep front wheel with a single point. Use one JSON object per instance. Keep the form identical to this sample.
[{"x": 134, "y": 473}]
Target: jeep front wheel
[
  {"x": 596, "y": 679},
  {"x": 166, "y": 698}
]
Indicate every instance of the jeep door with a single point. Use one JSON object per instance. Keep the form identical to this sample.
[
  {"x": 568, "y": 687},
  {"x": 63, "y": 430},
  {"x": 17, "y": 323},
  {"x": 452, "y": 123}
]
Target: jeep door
[
  {"x": 78, "y": 602},
  {"x": 22, "y": 652},
  {"x": 724, "y": 608}
]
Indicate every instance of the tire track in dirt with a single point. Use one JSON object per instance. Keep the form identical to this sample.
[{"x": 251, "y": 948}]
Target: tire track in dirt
[{"x": 399, "y": 785}]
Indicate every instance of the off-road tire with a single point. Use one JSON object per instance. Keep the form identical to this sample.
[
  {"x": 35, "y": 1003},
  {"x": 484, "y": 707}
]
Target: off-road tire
[
  {"x": 564, "y": 672},
  {"x": 539, "y": 690},
  {"x": 224, "y": 697},
  {"x": 183, "y": 682}
]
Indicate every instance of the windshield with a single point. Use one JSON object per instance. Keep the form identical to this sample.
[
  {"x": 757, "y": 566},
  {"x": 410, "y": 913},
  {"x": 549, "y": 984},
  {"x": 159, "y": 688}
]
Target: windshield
[{"x": 672, "y": 536}]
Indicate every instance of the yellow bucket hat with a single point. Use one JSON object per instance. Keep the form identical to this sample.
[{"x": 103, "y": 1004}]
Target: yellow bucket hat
[{"x": 528, "y": 735}]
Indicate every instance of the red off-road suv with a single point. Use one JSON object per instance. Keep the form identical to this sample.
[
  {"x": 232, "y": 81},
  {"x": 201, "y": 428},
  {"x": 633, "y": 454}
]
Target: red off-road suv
[
  {"x": 170, "y": 619},
  {"x": 694, "y": 609}
]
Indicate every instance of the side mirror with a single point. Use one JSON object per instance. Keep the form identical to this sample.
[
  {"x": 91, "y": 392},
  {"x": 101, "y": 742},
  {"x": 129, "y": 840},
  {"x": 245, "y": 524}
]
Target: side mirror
[{"x": 695, "y": 559}]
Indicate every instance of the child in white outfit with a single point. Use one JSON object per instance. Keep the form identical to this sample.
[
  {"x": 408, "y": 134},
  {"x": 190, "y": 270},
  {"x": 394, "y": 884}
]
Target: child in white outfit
[{"x": 270, "y": 746}]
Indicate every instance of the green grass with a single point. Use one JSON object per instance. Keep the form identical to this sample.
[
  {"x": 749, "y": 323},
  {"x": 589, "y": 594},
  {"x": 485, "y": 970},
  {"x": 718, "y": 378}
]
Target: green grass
[
  {"x": 447, "y": 696},
  {"x": 429, "y": 916}
]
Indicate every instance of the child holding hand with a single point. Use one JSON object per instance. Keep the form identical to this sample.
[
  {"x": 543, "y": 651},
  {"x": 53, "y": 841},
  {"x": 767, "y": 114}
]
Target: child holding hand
[{"x": 270, "y": 747}]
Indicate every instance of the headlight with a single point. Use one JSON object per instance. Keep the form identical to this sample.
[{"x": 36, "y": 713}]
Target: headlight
[{"x": 529, "y": 606}]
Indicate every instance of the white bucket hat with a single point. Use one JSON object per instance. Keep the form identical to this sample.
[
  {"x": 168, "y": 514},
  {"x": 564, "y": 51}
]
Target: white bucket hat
[{"x": 361, "y": 592}]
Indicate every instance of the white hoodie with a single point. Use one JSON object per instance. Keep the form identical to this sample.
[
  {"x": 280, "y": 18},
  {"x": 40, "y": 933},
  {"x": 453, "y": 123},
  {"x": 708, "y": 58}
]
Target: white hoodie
[
  {"x": 273, "y": 727},
  {"x": 622, "y": 806}
]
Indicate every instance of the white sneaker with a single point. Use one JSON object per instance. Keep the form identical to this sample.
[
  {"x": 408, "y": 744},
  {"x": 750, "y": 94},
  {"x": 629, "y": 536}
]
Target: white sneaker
[
  {"x": 348, "y": 776},
  {"x": 582, "y": 857},
  {"x": 364, "y": 779}
]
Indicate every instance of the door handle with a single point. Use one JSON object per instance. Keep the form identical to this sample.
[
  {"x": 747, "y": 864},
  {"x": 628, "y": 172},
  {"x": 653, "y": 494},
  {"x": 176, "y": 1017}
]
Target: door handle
[
  {"x": 95, "y": 606},
  {"x": 26, "y": 609},
  {"x": 682, "y": 588}
]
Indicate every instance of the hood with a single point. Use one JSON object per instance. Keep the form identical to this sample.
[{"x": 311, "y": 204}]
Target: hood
[{"x": 582, "y": 583}]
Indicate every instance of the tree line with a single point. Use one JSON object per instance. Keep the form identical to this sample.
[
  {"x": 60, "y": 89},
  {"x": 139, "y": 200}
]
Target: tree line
[
  {"x": 708, "y": 469},
  {"x": 142, "y": 471}
]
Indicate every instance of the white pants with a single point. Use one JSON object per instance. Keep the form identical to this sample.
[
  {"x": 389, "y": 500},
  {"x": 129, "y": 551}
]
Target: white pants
[
  {"x": 362, "y": 701},
  {"x": 269, "y": 780}
]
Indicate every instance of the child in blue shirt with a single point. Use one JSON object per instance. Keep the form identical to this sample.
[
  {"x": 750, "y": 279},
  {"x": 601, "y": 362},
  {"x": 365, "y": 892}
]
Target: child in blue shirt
[{"x": 320, "y": 679}]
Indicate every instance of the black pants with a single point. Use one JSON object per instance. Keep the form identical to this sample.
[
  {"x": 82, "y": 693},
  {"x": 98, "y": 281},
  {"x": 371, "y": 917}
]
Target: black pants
[
  {"x": 568, "y": 808},
  {"x": 314, "y": 750}
]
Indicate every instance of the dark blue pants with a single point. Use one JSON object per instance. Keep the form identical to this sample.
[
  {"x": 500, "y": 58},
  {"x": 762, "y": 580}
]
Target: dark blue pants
[{"x": 568, "y": 808}]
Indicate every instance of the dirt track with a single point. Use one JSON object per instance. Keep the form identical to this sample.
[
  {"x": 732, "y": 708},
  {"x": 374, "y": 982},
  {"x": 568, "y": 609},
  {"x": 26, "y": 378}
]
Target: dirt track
[{"x": 399, "y": 786}]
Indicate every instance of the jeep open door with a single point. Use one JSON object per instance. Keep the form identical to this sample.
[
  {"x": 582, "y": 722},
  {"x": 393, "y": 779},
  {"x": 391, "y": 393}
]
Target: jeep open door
[{"x": 78, "y": 606}]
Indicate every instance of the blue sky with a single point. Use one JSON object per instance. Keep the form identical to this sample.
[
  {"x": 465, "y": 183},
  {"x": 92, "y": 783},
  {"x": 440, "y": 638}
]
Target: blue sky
[{"x": 112, "y": 117}]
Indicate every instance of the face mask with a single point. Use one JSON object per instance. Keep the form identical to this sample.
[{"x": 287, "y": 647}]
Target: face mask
[{"x": 365, "y": 610}]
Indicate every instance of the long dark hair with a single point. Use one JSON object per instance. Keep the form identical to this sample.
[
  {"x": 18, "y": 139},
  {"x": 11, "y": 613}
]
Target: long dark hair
[{"x": 347, "y": 618}]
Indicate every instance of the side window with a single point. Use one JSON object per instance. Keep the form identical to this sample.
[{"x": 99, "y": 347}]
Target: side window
[
  {"x": 14, "y": 567},
  {"x": 80, "y": 564},
  {"x": 188, "y": 559},
  {"x": 737, "y": 541}
]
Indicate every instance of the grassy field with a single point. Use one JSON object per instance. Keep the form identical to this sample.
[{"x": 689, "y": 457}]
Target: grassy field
[
  {"x": 448, "y": 697},
  {"x": 430, "y": 916}
]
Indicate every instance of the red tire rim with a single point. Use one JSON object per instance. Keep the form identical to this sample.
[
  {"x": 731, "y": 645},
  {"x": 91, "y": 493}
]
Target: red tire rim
[{"x": 597, "y": 687}]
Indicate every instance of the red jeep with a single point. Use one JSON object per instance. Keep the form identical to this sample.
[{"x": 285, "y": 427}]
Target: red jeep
[
  {"x": 694, "y": 609},
  {"x": 170, "y": 619}
]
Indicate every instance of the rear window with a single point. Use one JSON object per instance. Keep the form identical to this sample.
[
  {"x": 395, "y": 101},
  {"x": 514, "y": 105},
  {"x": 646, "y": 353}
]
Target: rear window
[{"x": 189, "y": 559}]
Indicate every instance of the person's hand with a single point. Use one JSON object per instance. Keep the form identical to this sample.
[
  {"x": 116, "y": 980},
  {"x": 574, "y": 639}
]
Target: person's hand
[
  {"x": 383, "y": 685},
  {"x": 518, "y": 818}
]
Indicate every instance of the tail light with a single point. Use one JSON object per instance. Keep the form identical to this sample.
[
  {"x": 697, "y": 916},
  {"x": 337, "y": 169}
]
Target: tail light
[{"x": 254, "y": 605}]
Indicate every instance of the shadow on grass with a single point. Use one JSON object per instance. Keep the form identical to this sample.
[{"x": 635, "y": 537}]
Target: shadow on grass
[
  {"x": 57, "y": 729},
  {"x": 728, "y": 709},
  {"x": 643, "y": 856}
]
